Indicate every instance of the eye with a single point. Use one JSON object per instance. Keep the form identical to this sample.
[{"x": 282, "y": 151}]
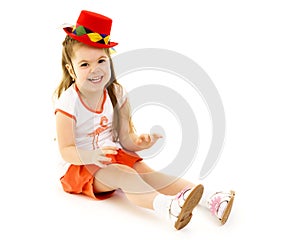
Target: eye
[
  {"x": 84, "y": 65},
  {"x": 101, "y": 61}
]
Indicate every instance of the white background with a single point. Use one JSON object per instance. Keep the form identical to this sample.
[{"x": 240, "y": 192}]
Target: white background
[{"x": 250, "y": 50}]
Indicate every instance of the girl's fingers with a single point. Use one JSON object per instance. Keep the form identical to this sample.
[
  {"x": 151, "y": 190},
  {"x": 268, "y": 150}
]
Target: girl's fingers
[
  {"x": 103, "y": 159},
  {"x": 100, "y": 164},
  {"x": 109, "y": 148},
  {"x": 106, "y": 162},
  {"x": 146, "y": 137},
  {"x": 113, "y": 152},
  {"x": 156, "y": 135},
  {"x": 139, "y": 140}
]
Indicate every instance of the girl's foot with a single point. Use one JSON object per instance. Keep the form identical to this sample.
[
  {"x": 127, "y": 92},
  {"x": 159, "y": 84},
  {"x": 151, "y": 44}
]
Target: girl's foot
[
  {"x": 182, "y": 205},
  {"x": 220, "y": 205}
]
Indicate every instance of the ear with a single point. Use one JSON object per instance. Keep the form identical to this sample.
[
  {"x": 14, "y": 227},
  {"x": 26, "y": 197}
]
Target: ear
[{"x": 70, "y": 70}]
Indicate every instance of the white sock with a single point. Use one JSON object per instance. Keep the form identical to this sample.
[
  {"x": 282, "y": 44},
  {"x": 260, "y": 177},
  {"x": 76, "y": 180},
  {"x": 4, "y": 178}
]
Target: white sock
[{"x": 161, "y": 205}]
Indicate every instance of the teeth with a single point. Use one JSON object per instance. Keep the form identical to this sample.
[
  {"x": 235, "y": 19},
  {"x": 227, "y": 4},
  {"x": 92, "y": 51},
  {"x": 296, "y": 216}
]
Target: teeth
[{"x": 95, "y": 79}]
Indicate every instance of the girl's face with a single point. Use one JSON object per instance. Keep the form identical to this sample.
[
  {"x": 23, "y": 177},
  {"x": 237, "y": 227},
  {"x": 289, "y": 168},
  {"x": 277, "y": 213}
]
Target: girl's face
[{"x": 91, "y": 69}]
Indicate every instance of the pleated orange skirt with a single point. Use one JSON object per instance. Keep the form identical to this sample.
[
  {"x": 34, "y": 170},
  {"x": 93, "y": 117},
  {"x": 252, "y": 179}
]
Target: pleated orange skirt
[{"x": 79, "y": 179}]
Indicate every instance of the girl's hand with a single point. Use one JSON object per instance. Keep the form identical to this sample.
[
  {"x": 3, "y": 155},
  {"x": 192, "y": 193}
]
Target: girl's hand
[
  {"x": 146, "y": 140},
  {"x": 98, "y": 156},
  {"x": 101, "y": 155}
]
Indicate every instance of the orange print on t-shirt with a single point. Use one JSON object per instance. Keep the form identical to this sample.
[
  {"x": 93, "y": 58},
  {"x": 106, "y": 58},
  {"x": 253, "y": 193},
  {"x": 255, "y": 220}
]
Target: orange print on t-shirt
[{"x": 95, "y": 134}]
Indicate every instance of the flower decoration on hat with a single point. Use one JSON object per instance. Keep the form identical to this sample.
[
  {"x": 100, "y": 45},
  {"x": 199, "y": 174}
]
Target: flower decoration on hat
[{"x": 94, "y": 37}]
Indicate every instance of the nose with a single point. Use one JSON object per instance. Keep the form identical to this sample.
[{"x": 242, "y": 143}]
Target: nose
[{"x": 96, "y": 70}]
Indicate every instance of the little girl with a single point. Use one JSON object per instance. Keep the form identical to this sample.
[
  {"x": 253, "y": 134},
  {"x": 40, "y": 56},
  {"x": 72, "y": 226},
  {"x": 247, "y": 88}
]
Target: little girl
[{"x": 97, "y": 139}]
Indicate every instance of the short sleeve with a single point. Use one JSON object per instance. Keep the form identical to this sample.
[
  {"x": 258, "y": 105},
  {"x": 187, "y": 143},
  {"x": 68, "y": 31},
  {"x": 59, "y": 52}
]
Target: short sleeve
[{"x": 66, "y": 103}]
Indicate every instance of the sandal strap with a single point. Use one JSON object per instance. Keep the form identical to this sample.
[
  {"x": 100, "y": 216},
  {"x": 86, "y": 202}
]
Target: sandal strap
[
  {"x": 177, "y": 197},
  {"x": 217, "y": 199}
]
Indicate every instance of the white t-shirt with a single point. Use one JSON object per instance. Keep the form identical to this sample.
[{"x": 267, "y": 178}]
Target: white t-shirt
[{"x": 93, "y": 129}]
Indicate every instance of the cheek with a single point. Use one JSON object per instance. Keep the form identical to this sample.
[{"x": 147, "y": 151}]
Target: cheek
[
  {"x": 76, "y": 73},
  {"x": 80, "y": 74},
  {"x": 108, "y": 72}
]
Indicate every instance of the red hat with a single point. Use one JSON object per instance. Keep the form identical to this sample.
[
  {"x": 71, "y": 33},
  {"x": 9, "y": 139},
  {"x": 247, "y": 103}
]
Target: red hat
[{"x": 92, "y": 29}]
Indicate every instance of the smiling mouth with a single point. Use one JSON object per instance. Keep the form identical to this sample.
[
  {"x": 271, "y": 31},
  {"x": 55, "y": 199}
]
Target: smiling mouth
[{"x": 95, "y": 79}]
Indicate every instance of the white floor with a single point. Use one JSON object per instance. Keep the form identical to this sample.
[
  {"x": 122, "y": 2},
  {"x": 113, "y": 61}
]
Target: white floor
[
  {"x": 34, "y": 206},
  {"x": 250, "y": 49}
]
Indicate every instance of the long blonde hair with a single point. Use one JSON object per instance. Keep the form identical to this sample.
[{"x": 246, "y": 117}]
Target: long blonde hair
[{"x": 66, "y": 81}]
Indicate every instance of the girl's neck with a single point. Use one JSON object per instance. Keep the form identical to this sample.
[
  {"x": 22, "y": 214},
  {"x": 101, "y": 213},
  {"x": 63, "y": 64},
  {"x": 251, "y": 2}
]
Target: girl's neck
[{"x": 92, "y": 100}]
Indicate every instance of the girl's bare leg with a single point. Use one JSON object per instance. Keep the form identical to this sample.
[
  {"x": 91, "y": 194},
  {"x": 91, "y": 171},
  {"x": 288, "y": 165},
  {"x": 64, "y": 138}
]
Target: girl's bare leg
[
  {"x": 140, "y": 193},
  {"x": 171, "y": 185},
  {"x": 116, "y": 176},
  {"x": 163, "y": 183}
]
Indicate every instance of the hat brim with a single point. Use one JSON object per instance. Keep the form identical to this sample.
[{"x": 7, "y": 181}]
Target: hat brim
[{"x": 85, "y": 39}]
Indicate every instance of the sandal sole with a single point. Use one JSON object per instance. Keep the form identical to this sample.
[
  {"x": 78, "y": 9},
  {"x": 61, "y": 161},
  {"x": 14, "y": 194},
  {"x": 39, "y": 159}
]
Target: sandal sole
[
  {"x": 190, "y": 203},
  {"x": 228, "y": 209}
]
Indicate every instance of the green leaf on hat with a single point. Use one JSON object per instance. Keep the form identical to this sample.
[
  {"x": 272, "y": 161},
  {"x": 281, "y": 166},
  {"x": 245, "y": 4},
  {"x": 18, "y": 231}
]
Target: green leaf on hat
[{"x": 80, "y": 30}]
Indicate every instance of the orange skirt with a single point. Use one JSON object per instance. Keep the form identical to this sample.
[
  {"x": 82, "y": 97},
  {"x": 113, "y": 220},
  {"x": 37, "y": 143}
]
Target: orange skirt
[{"x": 79, "y": 179}]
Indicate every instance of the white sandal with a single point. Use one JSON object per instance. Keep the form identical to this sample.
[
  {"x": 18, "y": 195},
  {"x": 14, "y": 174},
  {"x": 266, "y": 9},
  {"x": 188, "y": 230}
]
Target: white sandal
[
  {"x": 183, "y": 204},
  {"x": 220, "y": 205}
]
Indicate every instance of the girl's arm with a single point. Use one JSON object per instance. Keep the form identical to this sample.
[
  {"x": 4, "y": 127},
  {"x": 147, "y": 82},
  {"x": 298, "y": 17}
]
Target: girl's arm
[
  {"x": 127, "y": 136},
  {"x": 68, "y": 150}
]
